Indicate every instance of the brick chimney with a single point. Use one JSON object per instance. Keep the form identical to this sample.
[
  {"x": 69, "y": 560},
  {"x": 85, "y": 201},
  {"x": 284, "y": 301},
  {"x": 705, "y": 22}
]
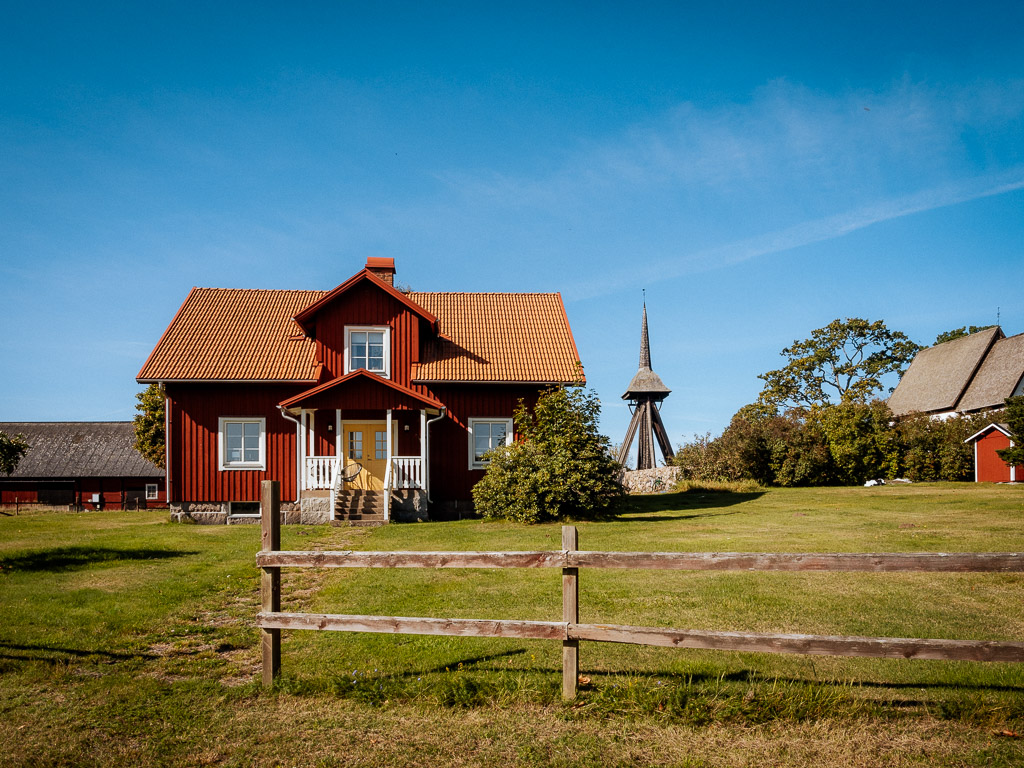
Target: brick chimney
[{"x": 382, "y": 268}]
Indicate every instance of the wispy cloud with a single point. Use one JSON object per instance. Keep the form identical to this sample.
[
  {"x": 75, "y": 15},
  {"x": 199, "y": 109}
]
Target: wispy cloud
[
  {"x": 808, "y": 232},
  {"x": 709, "y": 186}
]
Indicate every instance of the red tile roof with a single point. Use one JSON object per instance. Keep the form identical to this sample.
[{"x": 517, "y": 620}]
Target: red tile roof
[
  {"x": 499, "y": 337},
  {"x": 224, "y": 334},
  {"x": 249, "y": 335}
]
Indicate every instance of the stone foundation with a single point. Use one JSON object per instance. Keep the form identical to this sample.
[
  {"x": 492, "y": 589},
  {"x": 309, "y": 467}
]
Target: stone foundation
[
  {"x": 216, "y": 513},
  {"x": 316, "y": 510},
  {"x": 200, "y": 513},
  {"x": 657, "y": 480}
]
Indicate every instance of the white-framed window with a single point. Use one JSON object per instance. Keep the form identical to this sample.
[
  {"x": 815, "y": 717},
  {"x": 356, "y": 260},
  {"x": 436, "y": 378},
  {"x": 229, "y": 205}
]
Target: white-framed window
[
  {"x": 485, "y": 435},
  {"x": 152, "y": 491},
  {"x": 368, "y": 347},
  {"x": 242, "y": 442}
]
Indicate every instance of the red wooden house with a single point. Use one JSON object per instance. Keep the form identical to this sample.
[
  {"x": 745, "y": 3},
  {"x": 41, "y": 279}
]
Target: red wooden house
[
  {"x": 988, "y": 467},
  {"x": 363, "y": 401}
]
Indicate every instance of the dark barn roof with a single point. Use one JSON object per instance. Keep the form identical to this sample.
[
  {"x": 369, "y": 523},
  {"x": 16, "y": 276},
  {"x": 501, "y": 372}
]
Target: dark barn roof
[
  {"x": 972, "y": 373},
  {"x": 79, "y": 449}
]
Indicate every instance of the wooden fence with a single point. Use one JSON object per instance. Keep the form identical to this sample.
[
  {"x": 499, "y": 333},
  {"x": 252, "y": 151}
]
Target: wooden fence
[{"x": 570, "y": 632}]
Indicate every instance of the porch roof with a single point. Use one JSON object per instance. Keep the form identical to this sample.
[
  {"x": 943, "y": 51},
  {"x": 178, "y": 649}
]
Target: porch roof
[{"x": 363, "y": 390}]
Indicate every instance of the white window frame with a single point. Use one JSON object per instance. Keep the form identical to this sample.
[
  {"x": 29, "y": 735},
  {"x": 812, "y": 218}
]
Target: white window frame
[
  {"x": 386, "y": 330},
  {"x": 152, "y": 491},
  {"x": 222, "y": 462},
  {"x": 471, "y": 423}
]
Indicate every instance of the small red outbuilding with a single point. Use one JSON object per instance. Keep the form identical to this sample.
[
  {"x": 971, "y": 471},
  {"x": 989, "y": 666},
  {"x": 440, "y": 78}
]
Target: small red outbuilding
[{"x": 988, "y": 467}]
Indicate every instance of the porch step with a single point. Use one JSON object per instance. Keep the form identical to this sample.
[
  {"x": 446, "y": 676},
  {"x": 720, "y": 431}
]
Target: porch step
[{"x": 354, "y": 507}]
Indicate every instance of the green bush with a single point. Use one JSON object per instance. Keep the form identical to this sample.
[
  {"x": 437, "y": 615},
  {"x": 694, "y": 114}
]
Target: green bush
[
  {"x": 843, "y": 444},
  {"x": 559, "y": 468}
]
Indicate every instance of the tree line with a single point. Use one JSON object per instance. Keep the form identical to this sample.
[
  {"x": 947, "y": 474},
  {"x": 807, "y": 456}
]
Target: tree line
[{"x": 818, "y": 420}]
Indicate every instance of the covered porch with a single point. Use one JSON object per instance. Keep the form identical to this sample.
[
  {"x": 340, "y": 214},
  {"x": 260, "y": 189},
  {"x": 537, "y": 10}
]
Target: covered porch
[{"x": 363, "y": 449}]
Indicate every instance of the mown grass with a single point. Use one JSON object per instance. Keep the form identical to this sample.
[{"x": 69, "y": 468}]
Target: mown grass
[{"x": 125, "y": 639}]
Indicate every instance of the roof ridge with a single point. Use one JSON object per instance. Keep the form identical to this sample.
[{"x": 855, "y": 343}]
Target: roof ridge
[
  {"x": 489, "y": 293},
  {"x": 264, "y": 290},
  {"x": 114, "y": 421}
]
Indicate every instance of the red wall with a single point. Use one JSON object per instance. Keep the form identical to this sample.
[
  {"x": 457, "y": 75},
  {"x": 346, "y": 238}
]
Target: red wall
[
  {"x": 991, "y": 468},
  {"x": 195, "y": 409},
  {"x": 114, "y": 492},
  {"x": 366, "y": 304},
  {"x": 450, "y": 475},
  {"x": 192, "y": 436}
]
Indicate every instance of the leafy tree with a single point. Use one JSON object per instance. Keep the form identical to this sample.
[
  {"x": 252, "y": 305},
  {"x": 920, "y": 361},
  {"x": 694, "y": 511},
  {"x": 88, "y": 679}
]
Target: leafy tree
[
  {"x": 150, "y": 439},
  {"x": 860, "y": 441},
  {"x": 1014, "y": 415},
  {"x": 559, "y": 468},
  {"x": 934, "y": 449},
  {"x": 845, "y": 360},
  {"x": 958, "y": 333},
  {"x": 842, "y": 444},
  {"x": 12, "y": 448}
]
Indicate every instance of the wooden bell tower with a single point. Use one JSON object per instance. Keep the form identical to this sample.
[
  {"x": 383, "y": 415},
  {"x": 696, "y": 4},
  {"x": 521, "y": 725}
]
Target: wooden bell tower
[{"x": 645, "y": 395}]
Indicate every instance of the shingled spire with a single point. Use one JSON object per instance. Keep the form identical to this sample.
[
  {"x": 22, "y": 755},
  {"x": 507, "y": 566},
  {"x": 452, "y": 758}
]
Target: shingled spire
[
  {"x": 646, "y": 392},
  {"x": 645, "y": 344}
]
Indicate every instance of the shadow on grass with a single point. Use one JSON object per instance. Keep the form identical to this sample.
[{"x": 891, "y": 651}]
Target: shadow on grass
[
  {"x": 31, "y": 651},
  {"x": 471, "y": 661},
  {"x": 71, "y": 558},
  {"x": 691, "y": 504}
]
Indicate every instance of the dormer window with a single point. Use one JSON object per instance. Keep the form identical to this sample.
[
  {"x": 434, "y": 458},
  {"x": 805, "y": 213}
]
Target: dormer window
[{"x": 369, "y": 348}]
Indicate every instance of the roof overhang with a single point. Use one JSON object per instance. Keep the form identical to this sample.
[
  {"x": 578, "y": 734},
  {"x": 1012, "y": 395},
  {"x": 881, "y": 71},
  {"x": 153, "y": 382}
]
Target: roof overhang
[
  {"x": 226, "y": 381},
  {"x": 389, "y": 394},
  {"x": 503, "y": 382},
  {"x": 305, "y": 317}
]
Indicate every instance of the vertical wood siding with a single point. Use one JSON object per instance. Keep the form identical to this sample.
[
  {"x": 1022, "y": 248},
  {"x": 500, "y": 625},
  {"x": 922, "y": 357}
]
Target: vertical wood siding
[
  {"x": 992, "y": 469},
  {"x": 114, "y": 491},
  {"x": 451, "y": 479},
  {"x": 195, "y": 410},
  {"x": 368, "y": 305}
]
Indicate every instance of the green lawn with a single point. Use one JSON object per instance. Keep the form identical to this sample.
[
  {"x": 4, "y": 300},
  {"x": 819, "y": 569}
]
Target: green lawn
[{"x": 125, "y": 639}]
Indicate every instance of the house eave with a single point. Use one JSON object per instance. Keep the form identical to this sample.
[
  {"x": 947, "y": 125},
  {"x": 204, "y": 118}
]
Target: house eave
[
  {"x": 522, "y": 382},
  {"x": 989, "y": 428},
  {"x": 226, "y": 381}
]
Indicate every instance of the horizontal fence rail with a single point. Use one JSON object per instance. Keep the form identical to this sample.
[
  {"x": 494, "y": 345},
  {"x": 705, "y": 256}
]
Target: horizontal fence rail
[
  {"x": 813, "y": 645},
  {"x": 571, "y": 632},
  {"x": 884, "y": 562}
]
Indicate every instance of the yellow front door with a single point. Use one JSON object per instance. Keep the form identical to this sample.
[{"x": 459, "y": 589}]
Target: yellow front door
[{"x": 367, "y": 444}]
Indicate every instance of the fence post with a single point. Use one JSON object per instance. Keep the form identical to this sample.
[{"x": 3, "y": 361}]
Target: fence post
[
  {"x": 270, "y": 578},
  {"x": 571, "y": 615}
]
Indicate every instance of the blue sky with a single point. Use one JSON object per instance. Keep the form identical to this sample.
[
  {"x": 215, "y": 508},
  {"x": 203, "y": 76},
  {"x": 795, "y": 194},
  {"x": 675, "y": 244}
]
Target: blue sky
[{"x": 760, "y": 169}]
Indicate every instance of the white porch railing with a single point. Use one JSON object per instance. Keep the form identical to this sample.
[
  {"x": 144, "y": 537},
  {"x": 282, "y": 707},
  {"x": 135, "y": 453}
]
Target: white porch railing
[
  {"x": 320, "y": 473},
  {"x": 406, "y": 472}
]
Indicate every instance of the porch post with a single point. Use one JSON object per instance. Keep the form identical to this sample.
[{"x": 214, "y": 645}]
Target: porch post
[
  {"x": 312, "y": 433},
  {"x": 423, "y": 448},
  {"x": 387, "y": 474},
  {"x": 303, "y": 442},
  {"x": 338, "y": 442}
]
